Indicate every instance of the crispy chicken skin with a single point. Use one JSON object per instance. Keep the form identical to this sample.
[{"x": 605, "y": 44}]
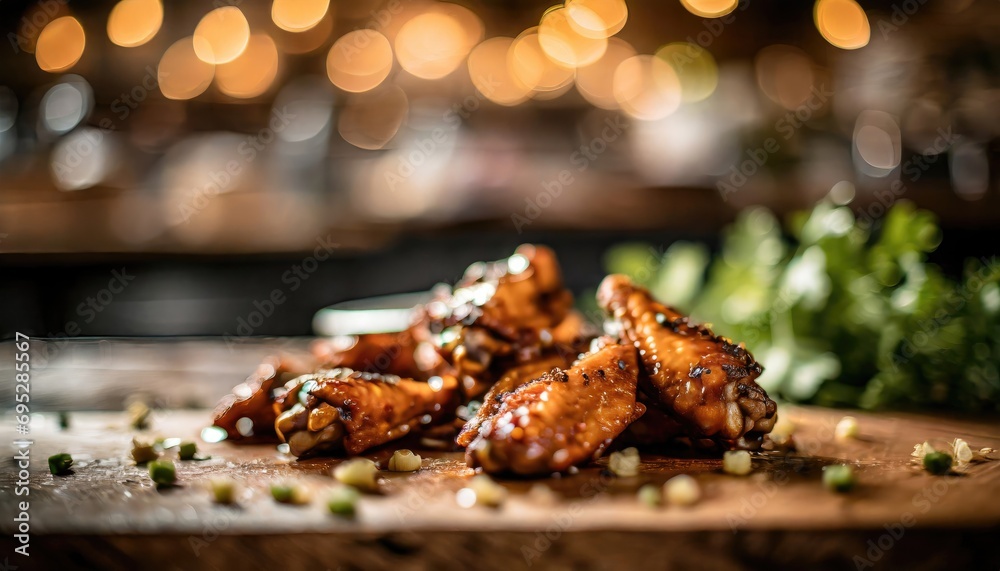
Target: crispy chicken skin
[
  {"x": 561, "y": 419},
  {"x": 704, "y": 381},
  {"x": 514, "y": 298},
  {"x": 510, "y": 381},
  {"x": 398, "y": 353},
  {"x": 352, "y": 411},
  {"x": 503, "y": 314},
  {"x": 254, "y": 397}
]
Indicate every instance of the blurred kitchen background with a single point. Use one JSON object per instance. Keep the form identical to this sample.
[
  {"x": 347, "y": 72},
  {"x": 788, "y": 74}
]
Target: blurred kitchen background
[{"x": 183, "y": 158}]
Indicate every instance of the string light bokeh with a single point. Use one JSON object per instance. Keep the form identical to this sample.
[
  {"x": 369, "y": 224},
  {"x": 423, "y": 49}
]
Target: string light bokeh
[{"x": 472, "y": 78}]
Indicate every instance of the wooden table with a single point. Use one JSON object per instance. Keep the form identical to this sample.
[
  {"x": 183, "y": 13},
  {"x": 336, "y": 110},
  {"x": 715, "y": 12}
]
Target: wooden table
[{"x": 108, "y": 515}]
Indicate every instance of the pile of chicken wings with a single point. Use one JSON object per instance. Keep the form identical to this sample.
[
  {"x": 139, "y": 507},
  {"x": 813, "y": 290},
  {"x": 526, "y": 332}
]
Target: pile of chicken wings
[{"x": 552, "y": 392}]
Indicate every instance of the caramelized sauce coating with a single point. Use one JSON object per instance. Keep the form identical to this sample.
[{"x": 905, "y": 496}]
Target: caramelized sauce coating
[
  {"x": 353, "y": 411},
  {"x": 704, "y": 381},
  {"x": 561, "y": 419},
  {"x": 254, "y": 398},
  {"x": 510, "y": 381},
  {"x": 503, "y": 314},
  {"x": 509, "y": 320}
]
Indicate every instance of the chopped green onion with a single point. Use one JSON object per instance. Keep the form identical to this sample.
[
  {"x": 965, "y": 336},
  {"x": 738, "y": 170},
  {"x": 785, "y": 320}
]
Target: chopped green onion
[
  {"x": 736, "y": 462},
  {"x": 223, "y": 490},
  {"x": 59, "y": 464},
  {"x": 162, "y": 472},
  {"x": 359, "y": 473},
  {"x": 187, "y": 450},
  {"x": 404, "y": 461},
  {"x": 343, "y": 501},
  {"x": 781, "y": 434},
  {"x": 937, "y": 462},
  {"x": 649, "y": 495},
  {"x": 682, "y": 490},
  {"x": 143, "y": 452},
  {"x": 847, "y": 428},
  {"x": 482, "y": 490},
  {"x": 168, "y": 443},
  {"x": 290, "y": 493},
  {"x": 138, "y": 415},
  {"x": 962, "y": 452},
  {"x": 625, "y": 463},
  {"x": 838, "y": 478},
  {"x": 921, "y": 450},
  {"x": 282, "y": 493}
]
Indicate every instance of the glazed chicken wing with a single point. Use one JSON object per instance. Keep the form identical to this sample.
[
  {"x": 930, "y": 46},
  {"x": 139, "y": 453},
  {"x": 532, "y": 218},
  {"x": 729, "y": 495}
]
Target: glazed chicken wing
[
  {"x": 253, "y": 399},
  {"x": 397, "y": 353},
  {"x": 510, "y": 380},
  {"x": 561, "y": 419},
  {"x": 510, "y": 320},
  {"x": 352, "y": 411},
  {"x": 503, "y": 314},
  {"x": 704, "y": 381}
]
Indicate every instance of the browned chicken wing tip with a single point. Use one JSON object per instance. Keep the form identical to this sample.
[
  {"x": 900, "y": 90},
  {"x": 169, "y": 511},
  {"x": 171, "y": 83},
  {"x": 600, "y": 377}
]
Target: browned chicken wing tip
[{"x": 703, "y": 380}]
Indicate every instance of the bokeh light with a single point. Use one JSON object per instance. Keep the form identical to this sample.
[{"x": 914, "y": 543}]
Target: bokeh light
[
  {"x": 181, "y": 73},
  {"x": 309, "y": 101},
  {"x": 646, "y": 87},
  {"x": 66, "y": 104},
  {"x": 359, "y": 61},
  {"x": 307, "y": 41},
  {"x": 134, "y": 22},
  {"x": 491, "y": 75},
  {"x": 81, "y": 159},
  {"x": 969, "y": 166},
  {"x": 470, "y": 23},
  {"x": 221, "y": 35},
  {"x": 594, "y": 82},
  {"x": 298, "y": 15},
  {"x": 60, "y": 45},
  {"x": 843, "y": 23},
  {"x": 528, "y": 63},
  {"x": 431, "y": 45},
  {"x": 710, "y": 8},
  {"x": 695, "y": 68},
  {"x": 33, "y": 21},
  {"x": 253, "y": 72},
  {"x": 561, "y": 42},
  {"x": 785, "y": 75},
  {"x": 877, "y": 143},
  {"x": 597, "y": 18},
  {"x": 371, "y": 120}
]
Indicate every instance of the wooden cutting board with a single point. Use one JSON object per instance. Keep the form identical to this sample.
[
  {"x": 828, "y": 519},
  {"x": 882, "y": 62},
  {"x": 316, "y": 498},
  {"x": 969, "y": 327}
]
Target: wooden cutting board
[{"x": 108, "y": 515}]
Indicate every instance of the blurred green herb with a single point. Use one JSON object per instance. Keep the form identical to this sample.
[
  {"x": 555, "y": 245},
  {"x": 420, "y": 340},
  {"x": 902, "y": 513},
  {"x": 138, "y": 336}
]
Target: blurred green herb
[{"x": 840, "y": 314}]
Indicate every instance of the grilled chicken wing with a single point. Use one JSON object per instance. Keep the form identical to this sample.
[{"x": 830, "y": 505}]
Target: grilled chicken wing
[
  {"x": 561, "y": 419},
  {"x": 397, "y": 353},
  {"x": 510, "y": 381},
  {"x": 353, "y": 411},
  {"x": 703, "y": 380},
  {"x": 503, "y": 314},
  {"x": 254, "y": 398}
]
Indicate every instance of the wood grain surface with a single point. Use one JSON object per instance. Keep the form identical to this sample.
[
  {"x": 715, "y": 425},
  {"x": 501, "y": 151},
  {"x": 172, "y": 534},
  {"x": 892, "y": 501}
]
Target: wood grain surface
[{"x": 107, "y": 514}]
